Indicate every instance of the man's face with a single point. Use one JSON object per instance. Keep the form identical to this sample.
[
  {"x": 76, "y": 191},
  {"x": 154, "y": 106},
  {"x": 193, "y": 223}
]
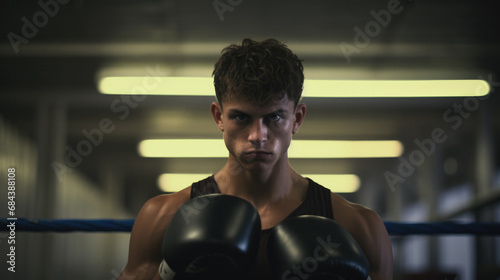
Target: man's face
[{"x": 258, "y": 136}]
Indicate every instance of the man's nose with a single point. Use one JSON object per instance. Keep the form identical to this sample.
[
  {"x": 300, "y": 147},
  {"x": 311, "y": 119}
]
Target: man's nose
[{"x": 258, "y": 132}]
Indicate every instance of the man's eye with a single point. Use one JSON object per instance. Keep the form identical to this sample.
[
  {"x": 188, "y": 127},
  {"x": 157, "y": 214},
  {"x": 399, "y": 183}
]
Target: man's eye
[
  {"x": 240, "y": 118},
  {"x": 274, "y": 118}
]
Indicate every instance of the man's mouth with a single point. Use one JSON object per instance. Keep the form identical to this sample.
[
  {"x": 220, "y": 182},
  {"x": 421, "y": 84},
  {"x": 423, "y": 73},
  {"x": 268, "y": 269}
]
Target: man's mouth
[{"x": 251, "y": 155}]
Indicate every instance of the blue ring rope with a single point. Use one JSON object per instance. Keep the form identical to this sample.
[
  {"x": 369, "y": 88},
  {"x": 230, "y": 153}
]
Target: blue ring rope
[
  {"x": 125, "y": 225},
  {"x": 69, "y": 225}
]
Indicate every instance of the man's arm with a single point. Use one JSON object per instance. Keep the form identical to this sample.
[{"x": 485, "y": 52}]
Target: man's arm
[
  {"x": 369, "y": 231},
  {"x": 377, "y": 246},
  {"x": 147, "y": 236}
]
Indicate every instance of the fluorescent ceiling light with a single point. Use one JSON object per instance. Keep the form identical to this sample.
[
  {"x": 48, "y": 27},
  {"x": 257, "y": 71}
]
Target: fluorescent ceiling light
[
  {"x": 174, "y": 182},
  {"x": 345, "y": 149},
  {"x": 215, "y": 148},
  {"x": 190, "y": 86},
  {"x": 403, "y": 88},
  {"x": 183, "y": 148},
  {"x": 203, "y": 86},
  {"x": 339, "y": 183}
]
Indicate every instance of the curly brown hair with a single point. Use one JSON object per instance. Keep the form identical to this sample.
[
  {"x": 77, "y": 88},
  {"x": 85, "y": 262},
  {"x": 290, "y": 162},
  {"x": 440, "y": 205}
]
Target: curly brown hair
[{"x": 259, "y": 71}]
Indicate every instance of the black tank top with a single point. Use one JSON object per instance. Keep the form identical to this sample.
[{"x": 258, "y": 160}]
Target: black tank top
[{"x": 318, "y": 202}]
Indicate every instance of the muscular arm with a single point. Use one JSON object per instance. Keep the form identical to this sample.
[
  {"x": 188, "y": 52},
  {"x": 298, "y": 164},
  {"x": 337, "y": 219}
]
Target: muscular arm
[
  {"x": 376, "y": 243},
  {"x": 369, "y": 231},
  {"x": 147, "y": 236}
]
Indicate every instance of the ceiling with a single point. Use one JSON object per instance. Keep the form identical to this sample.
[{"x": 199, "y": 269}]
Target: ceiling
[{"x": 53, "y": 66}]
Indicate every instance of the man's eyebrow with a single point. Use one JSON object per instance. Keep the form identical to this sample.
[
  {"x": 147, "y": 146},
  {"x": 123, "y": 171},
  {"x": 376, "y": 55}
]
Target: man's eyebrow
[
  {"x": 236, "y": 111},
  {"x": 280, "y": 111}
]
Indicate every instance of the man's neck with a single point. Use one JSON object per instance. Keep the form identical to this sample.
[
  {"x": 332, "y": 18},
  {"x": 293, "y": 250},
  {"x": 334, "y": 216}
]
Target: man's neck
[{"x": 258, "y": 186}]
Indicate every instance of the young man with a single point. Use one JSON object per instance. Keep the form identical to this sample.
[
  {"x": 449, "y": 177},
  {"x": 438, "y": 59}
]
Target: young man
[{"x": 258, "y": 87}]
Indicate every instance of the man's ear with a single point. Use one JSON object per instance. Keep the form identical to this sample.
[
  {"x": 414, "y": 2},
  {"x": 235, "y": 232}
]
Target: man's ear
[
  {"x": 216, "y": 110},
  {"x": 300, "y": 114}
]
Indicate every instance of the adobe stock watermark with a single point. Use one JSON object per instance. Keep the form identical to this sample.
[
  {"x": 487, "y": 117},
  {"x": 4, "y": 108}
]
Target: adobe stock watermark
[
  {"x": 372, "y": 29},
  {"x": 39, "y": 19},
  {"x": 94, "y": 137},
  {"x": 310, "y": 264},
  {"x": 221, "y": 7},
  {"x": 453, "y": 117}
]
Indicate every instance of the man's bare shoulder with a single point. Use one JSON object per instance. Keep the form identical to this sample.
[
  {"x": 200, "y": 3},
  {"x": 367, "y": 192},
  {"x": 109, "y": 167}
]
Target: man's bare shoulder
[
  {"x": 164, "y": 205},
  {"x": 363, "y": 223},
  {"x": 368, "y": 229},
  {"x": 147, "y": 234},
  {"x": 354, "y": 216},
  {"x": 155, "y": 216}
]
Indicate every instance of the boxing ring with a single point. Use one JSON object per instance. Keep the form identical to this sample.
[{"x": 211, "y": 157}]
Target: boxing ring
[{"x": 125, "y": 225}]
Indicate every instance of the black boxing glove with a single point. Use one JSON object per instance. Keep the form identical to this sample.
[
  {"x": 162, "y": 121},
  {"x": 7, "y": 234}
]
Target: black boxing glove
[
  {"x": 315, "y": 248},
  {"x": 213, "y": 236}
]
